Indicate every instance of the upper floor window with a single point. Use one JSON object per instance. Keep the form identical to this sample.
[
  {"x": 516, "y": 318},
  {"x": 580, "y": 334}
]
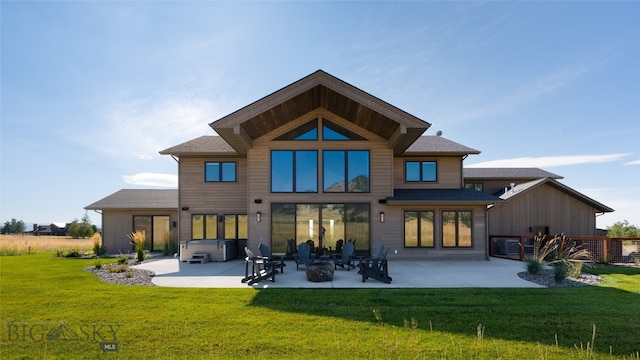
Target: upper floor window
[
  {"x": 294, "y": 171},
  {"x": 331, "y": 131},
  {"x": 219, "y": 171},
  {"x": 475, "y": 186},
  {"x": 421, "y": 171},
  {"x": 309, "y": 131},
  {"x": 346, "y": 170}
]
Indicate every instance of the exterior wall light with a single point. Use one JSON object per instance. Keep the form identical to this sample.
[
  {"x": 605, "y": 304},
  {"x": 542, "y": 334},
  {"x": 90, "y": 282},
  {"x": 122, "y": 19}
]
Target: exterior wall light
[
  {"x": 258, "y": 216},
  {"x": 381, "y": 216}
]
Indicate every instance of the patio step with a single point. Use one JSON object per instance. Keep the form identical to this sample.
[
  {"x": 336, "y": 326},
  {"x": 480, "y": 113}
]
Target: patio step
[{"x": 198, "y": 257}]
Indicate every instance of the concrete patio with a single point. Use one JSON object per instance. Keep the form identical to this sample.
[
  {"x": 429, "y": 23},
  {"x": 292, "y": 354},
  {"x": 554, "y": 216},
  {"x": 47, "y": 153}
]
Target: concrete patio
[{"x": 494, "y": 273}]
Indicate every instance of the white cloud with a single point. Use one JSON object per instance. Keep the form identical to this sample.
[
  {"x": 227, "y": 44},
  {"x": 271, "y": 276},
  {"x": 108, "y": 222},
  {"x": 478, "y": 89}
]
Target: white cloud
[
  {"x": 140, "y": 128},
  {"x": 634, "y": 162},
  {"x": 152, "y": 179},
  {"x": 550, "y": 161}
]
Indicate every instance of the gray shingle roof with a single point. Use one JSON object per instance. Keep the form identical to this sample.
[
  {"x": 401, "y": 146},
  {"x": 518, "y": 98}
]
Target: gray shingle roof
[
  {"x": 442, "y": 195},
  {"x": 204, "y": 145},
  {"x": 507, "y": 173},
  {"x": 438, "y": 145},
  {"x": 138, "y": 199}
]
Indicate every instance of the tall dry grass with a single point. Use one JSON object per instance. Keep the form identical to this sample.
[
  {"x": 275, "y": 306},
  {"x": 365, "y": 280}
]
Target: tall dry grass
[{"x": 28, "y": 244}]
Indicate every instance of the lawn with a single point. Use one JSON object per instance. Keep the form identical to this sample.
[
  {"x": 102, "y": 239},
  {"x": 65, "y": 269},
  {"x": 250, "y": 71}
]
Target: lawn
[{"x": 52, "y": 309}]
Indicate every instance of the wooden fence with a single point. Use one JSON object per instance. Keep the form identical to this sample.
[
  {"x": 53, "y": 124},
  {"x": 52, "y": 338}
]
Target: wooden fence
[{"x": 602, "y": 248}]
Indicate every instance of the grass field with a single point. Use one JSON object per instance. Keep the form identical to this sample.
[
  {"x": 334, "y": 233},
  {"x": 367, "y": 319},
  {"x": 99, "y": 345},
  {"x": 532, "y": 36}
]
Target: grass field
[
  {"x": 26, "y": 244},
  {"x": 52, "y": 309}
]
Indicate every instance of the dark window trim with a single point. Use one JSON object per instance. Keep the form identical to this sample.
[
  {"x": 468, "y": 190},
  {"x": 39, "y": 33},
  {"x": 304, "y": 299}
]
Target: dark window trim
[
  {"x": 220, "y": 172},
  {"x": 346, "y": 172},
  {"x": 457, "y": 218},
  {"x": 420, "y": 162},
  {"x": 204, "y": 225},
  {"x": 419, "y": 246},
  {"x": 294, "y": 180}
]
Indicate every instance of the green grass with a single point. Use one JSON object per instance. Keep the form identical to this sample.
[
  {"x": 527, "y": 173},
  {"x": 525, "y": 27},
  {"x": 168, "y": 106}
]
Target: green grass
[{"x": 39, "y": 293}]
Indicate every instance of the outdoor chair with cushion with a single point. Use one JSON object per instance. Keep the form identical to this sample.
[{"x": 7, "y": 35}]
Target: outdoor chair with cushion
[
  {"x": 303, "y": 257},
  {"x": 265, "y": 253},
  {"x": 346, "y": 257}
]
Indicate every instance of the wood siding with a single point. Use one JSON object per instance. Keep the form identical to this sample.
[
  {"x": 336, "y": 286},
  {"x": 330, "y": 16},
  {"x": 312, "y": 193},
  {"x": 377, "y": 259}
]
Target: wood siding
[
  {"x": 542, "y": 206},
  {"x": 117, "y": 224},
  {"x": 449, "y": 170},
  {"x": 209, "y": 197}
]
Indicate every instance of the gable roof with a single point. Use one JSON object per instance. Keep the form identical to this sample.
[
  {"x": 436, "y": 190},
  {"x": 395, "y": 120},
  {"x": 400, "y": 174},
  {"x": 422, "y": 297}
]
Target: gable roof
[
  {"x": 519, "y": 189},
  {"x": 507, "y": 173},
  {"x": 138, "y": 199},
  {"x": 462, "y": 196},
  {"x": 204, "y": 145},
  {"x": 438, "y": 145},
  {"x": 320, "y": 90}
]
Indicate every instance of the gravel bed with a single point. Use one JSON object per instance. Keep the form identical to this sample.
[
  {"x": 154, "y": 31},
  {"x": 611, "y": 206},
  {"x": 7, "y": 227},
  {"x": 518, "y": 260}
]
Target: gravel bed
[
  {"x": 131, "y": 276},
  {"x": 545, "y": 278}
]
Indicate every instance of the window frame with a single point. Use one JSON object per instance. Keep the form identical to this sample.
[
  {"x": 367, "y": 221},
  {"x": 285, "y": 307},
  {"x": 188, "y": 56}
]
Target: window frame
[
  {"x": 419, "y": 229},
  {"x": 205, "y": 231},
  {"x": 345, "y": 170},
  {"x": 294, "y": 169},
  {"x": 221, "y": 172},
  {"x": 421, "y": 175},
  {"x": 457, "y": 229}
]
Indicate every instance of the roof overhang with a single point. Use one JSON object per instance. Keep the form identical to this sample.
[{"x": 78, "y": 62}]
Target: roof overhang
[
  {"x": 320, "y": 90},
  {"x": 461, "y": 196}
]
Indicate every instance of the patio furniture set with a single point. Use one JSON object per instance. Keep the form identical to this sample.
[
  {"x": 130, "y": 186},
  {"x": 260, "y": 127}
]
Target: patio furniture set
[{"x": 264, "y": 267}]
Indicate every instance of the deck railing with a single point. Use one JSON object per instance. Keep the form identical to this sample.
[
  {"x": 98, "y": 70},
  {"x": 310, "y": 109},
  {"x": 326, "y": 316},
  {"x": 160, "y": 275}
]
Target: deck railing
[{"x": 602, "y": 248}]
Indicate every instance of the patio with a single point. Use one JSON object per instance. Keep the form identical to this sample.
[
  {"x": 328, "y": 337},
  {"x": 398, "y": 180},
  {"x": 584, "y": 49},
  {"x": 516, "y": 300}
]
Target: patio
[{"x": 495, "y": 273}]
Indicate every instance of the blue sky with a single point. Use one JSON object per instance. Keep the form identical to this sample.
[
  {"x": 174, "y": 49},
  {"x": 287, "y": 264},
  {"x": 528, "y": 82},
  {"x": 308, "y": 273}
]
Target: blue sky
[{"x": 91, "y": 91}]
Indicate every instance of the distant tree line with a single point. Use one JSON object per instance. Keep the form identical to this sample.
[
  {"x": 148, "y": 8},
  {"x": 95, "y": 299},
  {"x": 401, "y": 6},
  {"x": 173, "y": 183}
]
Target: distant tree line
[
  {"x": 12, "y": 227},
  {"x": 78, "y": 229},
  {"x": 622, "y": 229}
]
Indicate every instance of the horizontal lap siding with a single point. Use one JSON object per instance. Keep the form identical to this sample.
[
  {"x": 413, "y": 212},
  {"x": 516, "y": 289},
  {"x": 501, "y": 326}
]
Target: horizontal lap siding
[
  {"x": 259, "y": 180},
  {"x": 449, "y": 173},
  {"x": 210, "y": 197}
]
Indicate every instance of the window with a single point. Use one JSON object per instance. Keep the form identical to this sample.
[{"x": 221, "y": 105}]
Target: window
[
  {"x": 294, "y": 171},
  {"x": 156, "y": 229},
  {"x": 331, "y": 131},
  {"x": 308, "y": 131},
  {"x": 456, "y": 229},
  {"x": 419, "y": 229},
  {"x": 204, "y": 227},
  {"x": 235, "y": 227},
  {"x": 219, "y": 171},
  {"x": 346, "y": 170},
  {"x": 420, "y": 171},
  {"x": 475, "y": 186},
  {"x": 299, "y": 223}
]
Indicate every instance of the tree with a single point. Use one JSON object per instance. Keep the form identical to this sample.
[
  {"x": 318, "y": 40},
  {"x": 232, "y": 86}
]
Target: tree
[
  {"x": 622, "y": 229},
  {"x": 13, "y": 227},
  {"x": 83, "y": 229}
]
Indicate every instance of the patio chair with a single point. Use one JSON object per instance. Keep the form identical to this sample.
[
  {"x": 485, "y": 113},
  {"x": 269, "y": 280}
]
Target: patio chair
[
  {"x": 265, "y": 253},
  {"x": 375, "y": 268},
  {"x": 303, "y": 257},
  {"x": 346, "y": 257},
  {"x": 261, "y": 269}
]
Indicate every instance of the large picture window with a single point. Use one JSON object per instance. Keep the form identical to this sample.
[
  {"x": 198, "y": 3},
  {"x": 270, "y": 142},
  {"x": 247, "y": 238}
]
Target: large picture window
[
  {"x": 419, "y": 229},
  {"x": 294, "y": 171},
  {"x": 421, "y": 171},
  {"x": 219, "y": 171},
  {"x": 345, "y": 170},
  {"x": 456, "y": 229}
]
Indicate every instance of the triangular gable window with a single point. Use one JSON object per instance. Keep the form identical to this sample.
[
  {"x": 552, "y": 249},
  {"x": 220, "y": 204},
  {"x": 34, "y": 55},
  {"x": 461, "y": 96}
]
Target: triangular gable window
[
  {"x": 331, "y": 131},
  {"x": 308, "y": 131}
]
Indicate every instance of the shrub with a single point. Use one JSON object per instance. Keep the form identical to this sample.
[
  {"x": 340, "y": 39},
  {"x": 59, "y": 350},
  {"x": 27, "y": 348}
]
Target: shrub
[
  {"x": 560, "y": 271},
  {"x": 571, "y": 255},
  {"x": 542, "y": 249},
  {"x": 137, "y": 240},
  {"x": 116, "y": 268},
  {"x": 123, "y": 259},
  {"x": 98, "y": 249},
  {"x": 98, "y": 264},
  {"x": 73, "y": 253}
]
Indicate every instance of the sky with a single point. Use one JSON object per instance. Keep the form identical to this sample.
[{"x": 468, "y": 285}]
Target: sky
[{"x": 92, "y": 91}]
